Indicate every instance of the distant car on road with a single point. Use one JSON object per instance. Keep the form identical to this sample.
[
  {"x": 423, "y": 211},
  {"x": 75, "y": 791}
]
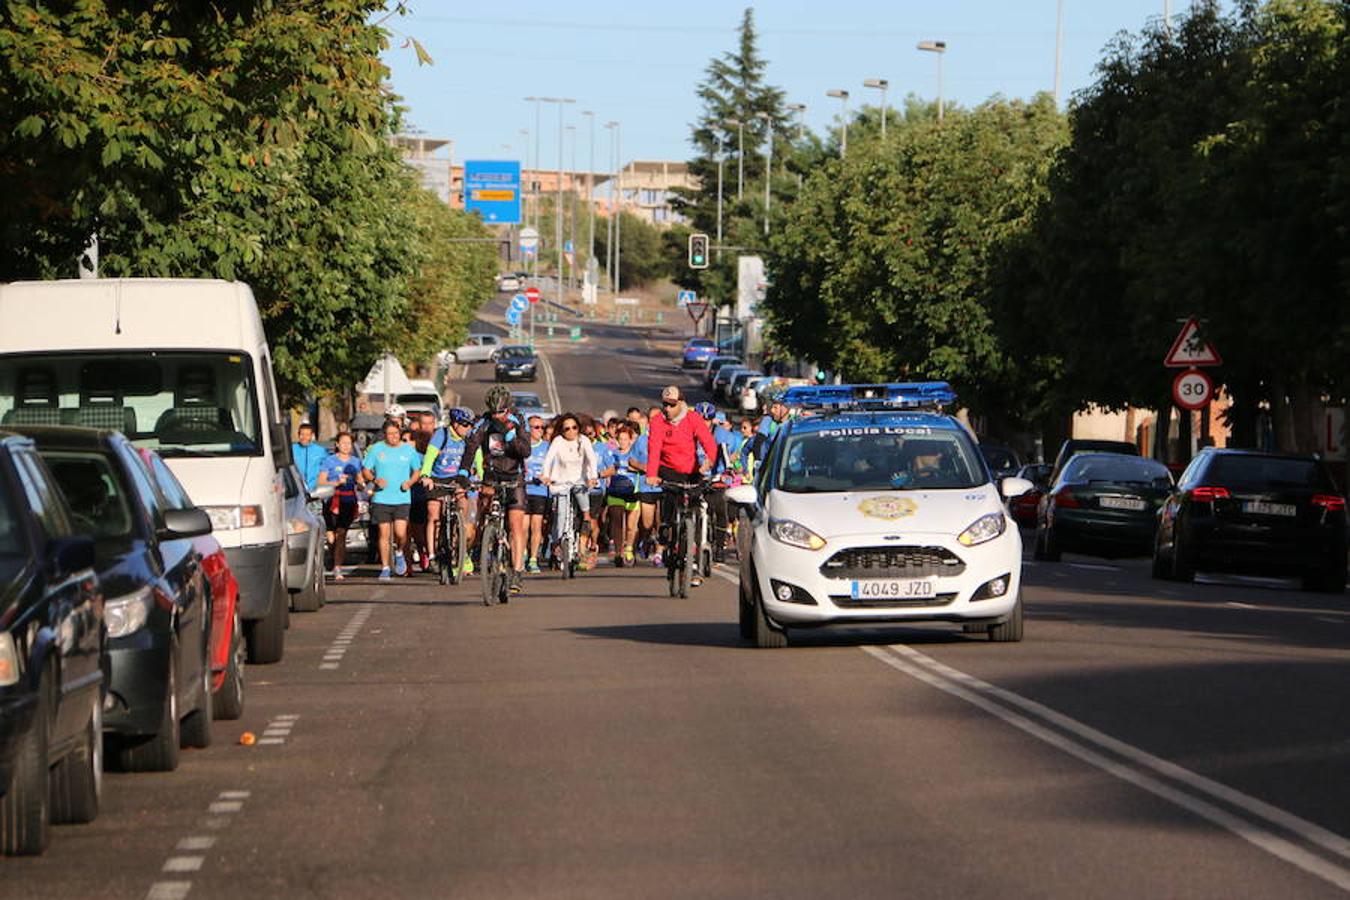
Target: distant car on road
[
  {"x": 1081, "y": 445},
  {"x": 1244, "y": 511},
  {"x": 696, "y": 352},
  {"x": 516, "y": 362},
  {"x": 1102, "y": 503},
  {"x": 52, "y": 657},
  {"x": 157, "y": 607},
  {"x": 714, "y": 363},
  {"x": 478, "y": 348},
  {"x": 723, "y": 378},
  {"x": 421, "y": 401},
  {"x": 528, "y": 403},
  {"x": 508, "y": 283}
]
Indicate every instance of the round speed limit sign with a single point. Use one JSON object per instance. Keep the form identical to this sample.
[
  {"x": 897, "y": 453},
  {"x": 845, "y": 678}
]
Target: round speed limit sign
[{"x": 1192, "y": 389}]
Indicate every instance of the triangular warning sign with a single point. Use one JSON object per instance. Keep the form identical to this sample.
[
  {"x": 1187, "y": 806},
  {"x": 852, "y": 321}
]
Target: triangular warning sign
[{"x": 1191, "y": 349}]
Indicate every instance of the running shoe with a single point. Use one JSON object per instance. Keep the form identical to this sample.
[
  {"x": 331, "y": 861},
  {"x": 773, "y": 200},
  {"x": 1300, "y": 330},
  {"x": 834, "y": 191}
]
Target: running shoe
[
  {"x": 400, "y": 565},
  {"x": 425, "y": 563},
  {"x": 517, "y": 582},
  {"x": 533, "y": 566},
  {"x": 617, "y": 561},
  {"x": 628, "y": 555},
  {"x": 695, "y": 580},
  {"x": 384, "y": 575},
  {"x": 656, "y": 559}
]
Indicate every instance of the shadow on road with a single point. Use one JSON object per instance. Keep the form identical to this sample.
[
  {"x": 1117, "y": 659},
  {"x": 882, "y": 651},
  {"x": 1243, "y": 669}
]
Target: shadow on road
[{"x": 725, "y": 634}]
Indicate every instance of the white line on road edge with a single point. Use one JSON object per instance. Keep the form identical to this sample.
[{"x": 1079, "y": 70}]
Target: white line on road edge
[
  {"x": 336, "y": 650},
  {"x": 551, "y": 385},
  {"x": 225, "y": 802},
  {"x": 992, "y": 700}
]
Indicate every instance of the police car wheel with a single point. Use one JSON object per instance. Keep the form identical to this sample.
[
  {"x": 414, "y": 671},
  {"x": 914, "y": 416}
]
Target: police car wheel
[
  {"x": 747, "y": 611},
  {"x": 768, "y": 636},
  {"x": 1010, "y": 629}
]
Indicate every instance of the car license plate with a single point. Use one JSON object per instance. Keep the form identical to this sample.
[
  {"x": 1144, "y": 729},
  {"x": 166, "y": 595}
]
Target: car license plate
[
  {"x": 1262, "y": 508},
  {"x": 1133, "y": 503},
  {"x": 909, "y": 589}
]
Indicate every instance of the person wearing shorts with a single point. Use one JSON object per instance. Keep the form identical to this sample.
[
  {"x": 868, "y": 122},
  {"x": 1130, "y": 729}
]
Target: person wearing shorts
[
  {"x": 342, "y": 469},
  {"x": 423, "y": 425},
  {"x": 392, "y": 466},
  {"x": 621, "y": 497},
  {"x": 536, "y": 493},
  {"x": 649, "y": 502},
  {"x": 503, "y": 440}
]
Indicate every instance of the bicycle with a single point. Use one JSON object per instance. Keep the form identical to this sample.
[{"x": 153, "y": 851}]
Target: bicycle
[
  {"x": 567, "y": 547},
  {"x": 681, "y": 560},
  {"x": 495, "y": 559},
  {"x": 450, "y": 544}
]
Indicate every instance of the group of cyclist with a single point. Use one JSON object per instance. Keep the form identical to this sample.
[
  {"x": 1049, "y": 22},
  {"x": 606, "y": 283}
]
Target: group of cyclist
[{"x": 617, "y": 472}]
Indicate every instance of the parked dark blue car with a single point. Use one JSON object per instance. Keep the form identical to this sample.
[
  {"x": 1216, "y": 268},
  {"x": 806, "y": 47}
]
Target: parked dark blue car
[
  {"x": 158, "y": 609},
  {"x": 51, "y": 657}
]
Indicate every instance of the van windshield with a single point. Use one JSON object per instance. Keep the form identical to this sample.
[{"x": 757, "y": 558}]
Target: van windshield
[{"x": 191, "y": 403}]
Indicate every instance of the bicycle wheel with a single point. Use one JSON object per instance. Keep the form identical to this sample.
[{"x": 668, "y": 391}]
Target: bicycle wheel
[
  {"x": 444, "y": 535},
  {"x": 674, "y": 565},
  {"x": 489, "y": 561},
  {"x": 459, "y": 551},
  {"x": 688, "y": 561},
  {"x": 504, "y": 565}
]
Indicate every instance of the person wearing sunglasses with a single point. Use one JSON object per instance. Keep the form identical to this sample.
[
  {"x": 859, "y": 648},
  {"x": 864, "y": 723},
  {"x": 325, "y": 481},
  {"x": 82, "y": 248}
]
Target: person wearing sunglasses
[
  {"x": 504, "y": 439},
  {"x": 571, "y": 464},
  {"x": 536, "y": 492},
  {"x": 677, "y": 435}
]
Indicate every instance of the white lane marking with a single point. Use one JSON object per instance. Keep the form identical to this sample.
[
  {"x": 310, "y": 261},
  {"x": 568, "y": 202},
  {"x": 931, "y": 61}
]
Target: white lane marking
[
  {"x": 1094, "y": 567},
  {"x": 225, "y": 806},
  {"x": 272, "y": 741},
  {"x": 169, "y": 890},
  {"x": 183, "y": 863},
  {"x": 338, "y": 648},
  {"x": 1238, "y": 605},
  {"x": 244, "y": 795},
  {"x": 277, "y": 732},
  {"x": 991, "y": 699},
  {"x": 196, "y": 843},
  {"x": 550, "y": 384},
  {"x": 1328, "y": 619},
  {"x": 279, "y": 729}
]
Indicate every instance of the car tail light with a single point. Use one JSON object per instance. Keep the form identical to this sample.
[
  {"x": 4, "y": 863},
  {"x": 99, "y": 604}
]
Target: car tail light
[
  {"x": 1209, "y": 494},
  {"x": 1066, "y": 499},
  {"x": 1329, "y": 502}
]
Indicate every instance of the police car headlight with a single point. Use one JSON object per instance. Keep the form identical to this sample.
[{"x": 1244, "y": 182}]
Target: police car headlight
[
  {"x": 985, "y": 528},
  {"x": 794, "y": 534}
]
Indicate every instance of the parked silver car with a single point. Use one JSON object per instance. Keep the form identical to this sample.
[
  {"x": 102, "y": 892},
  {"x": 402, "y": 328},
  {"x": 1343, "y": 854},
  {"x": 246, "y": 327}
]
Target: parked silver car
[{"x": 304, "y": 540}]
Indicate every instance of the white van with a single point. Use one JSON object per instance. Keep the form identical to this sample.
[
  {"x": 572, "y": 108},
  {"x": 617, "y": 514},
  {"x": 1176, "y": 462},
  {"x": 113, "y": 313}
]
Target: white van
[{"x": 178, "y": 365}]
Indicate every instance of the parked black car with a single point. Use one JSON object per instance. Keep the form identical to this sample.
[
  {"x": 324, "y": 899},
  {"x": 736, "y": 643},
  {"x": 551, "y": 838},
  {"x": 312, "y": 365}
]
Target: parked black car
[
  {"x": 52, "y": 658},
  {"x": 1243, "y": 511},
  {"x": 1088, "y": 445},
  {"x": 1102, "y": 503},
  {"x": 516, "y": 363},
  {"x": 157, "y": 605},
  {"x": 715, "y": 363}
]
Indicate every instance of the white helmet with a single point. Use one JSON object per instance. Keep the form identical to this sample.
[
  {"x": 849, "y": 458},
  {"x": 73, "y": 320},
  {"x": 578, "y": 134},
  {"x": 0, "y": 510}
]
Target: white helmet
[{"x": 395, "y": 411}]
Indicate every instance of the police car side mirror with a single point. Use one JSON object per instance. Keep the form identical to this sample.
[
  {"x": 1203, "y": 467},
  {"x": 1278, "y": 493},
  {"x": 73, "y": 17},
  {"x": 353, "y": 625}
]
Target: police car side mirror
[
  {"x": 1015, "y": 487},
  {"x": 743, "y": 494}
]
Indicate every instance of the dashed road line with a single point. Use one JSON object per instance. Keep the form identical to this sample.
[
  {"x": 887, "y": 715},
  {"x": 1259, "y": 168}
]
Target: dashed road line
[
  {"x": 189, "y": 852},
  {"x": 278, "y": 729},
  {"x": 1308, "y": 846},
  {"x": 332, "y": 657}
]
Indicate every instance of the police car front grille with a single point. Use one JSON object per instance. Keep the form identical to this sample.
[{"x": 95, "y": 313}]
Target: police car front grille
[
  {"x": 892, "y": 562},
  {"x": 844, "y": 601}
]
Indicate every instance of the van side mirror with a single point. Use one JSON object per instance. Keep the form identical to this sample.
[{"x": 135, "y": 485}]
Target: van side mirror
[
  {"x": 281, "y": 446},
  {"x": 70, "y": 554}
]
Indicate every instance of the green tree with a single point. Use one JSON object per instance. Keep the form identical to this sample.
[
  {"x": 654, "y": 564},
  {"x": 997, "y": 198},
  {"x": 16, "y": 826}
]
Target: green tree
[{"x": 644, "y": 252}]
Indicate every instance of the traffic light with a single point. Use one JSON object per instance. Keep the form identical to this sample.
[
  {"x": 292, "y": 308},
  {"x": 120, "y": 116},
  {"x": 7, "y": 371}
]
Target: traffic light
[{"x": 698, "y": 251}]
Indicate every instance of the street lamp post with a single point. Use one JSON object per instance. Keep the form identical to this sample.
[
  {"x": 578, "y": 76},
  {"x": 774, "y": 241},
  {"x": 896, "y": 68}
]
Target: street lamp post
[
  {"x": 880, "y": 84},
  {"x": 590, "y": 194},
  {"x": 843, "y": 105},
  {"x": 572, "y": 202},
  {"x": 618, "y": 218},
  {"x": 1059, "y": 44},
  {"x": 800, "y": 110},
  {"x": 768, "y": 169},
  {"x": 940, "y": 48},
  {"x": 538, "y": 129},
  {"x": 557, "y": 218},
  {"x": 609, "y": 220},
  {"x": 721, "y": 160}
]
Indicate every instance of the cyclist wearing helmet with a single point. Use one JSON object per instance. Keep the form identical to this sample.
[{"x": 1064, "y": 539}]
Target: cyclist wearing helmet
[
  {"x": 504, "y": 439},
  {"x": 441, "y": 462},
  {"x": 677, "y": 435}
]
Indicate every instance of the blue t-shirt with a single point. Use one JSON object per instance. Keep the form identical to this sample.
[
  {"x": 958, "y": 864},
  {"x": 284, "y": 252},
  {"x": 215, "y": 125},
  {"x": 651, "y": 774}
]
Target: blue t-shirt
[
  {"x": 342, "y": 474},
  {"x": 603, "y": 454},
  {"x": 449, "y": 451},
  {"x": 727, "y": 440},
  {"x": 534, "y": 467},
  {"x": 640, "y": 454},
  {"x": 395, "y": 465},
  {"x": 309, "y": 460},
  {"x": 623, "y": 483}
]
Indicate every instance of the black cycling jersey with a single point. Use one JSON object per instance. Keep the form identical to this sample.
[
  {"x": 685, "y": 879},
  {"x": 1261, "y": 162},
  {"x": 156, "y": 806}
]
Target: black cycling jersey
[{"x": 505, "y": 446}]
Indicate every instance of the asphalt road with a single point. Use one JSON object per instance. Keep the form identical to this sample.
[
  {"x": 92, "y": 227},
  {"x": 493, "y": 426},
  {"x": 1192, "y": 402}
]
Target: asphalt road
[{"x": 596, "y": 738}]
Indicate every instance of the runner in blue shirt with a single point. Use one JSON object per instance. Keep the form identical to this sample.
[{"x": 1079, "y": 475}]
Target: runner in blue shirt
[
  {"x": 393, "y": 466},
  {"x": 650, "y": 499},
  {"x": 621, "y": 500},
  {"x": 536, "y": 493},
  {"x": 308, "y": 455},
  {"x": 441, "y": 463},
  {"x": 342, "y": 469}
]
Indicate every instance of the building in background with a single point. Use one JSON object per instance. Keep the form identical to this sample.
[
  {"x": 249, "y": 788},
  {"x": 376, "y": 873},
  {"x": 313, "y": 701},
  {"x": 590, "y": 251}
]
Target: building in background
[
  {"x": 647, "y": 189},
  {"x": 434, "y": 169}
]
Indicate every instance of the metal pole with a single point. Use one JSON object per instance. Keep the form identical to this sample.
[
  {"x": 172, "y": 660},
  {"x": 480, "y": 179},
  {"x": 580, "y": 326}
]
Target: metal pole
[
  {"x": 941, "y": 104},
  {"x": 618, "y": 219},
  {"x": 768, "y": 172},
  {"x": 721, "y": 159},
  {"x": 590, "y": 195},
  {"x": 842, "y": 96},
  {"x": 609, "y": 220},
  {"x": 883, "y": 114},
  {"x": 572, "y": 204},
  {"x": 1059, "y": 44},
  {"x": 740, "y": 161},
  {"x": 557, "y": 218}
]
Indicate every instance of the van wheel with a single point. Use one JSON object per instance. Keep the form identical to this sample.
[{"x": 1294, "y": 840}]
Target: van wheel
[
  {"x": 77, "y": 780},
  {"x": 267, "y": 636},
  {"x": 1008, "y": 631},
  {"x": 25, "y": 811},
  {"x": 228, "y": 702},
  {"x": 159, "y": 752}
]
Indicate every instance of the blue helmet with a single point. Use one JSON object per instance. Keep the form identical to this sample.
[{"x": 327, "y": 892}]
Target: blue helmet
[
  {"x": 461, "y": 416},
  {"x": 706, "y": 410}
]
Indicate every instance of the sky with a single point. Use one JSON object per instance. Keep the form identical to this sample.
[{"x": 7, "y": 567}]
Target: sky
[{"x": 639, "y": 62}]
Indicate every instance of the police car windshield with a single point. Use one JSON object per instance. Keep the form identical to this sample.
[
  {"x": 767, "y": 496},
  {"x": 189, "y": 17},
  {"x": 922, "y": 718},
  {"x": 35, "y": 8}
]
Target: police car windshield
[{"x": 878, "y": 458}]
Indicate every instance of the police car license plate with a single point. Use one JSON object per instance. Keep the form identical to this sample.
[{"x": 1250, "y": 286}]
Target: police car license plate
[
  {"x": 1122, "y": 503},
  {"x": 908, "y": 589}
]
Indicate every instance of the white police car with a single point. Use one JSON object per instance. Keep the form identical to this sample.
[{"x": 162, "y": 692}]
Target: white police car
[{"x": 872, "y": 506}]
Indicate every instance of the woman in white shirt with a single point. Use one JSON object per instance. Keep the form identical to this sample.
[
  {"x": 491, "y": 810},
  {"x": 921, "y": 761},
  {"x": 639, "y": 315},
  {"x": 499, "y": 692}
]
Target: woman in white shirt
[{"x": 571, "y": 461}]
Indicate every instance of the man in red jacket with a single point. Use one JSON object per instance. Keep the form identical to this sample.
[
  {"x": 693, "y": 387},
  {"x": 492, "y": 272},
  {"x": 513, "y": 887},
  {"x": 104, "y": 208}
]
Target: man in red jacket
[{"x": 672, "y": 455}]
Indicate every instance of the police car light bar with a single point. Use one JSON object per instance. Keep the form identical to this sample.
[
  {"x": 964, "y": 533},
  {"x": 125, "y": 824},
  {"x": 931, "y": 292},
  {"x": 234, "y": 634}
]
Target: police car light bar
[{"x": 904, "y": 395}]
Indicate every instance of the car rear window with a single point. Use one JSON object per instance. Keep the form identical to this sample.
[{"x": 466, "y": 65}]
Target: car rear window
[
  {"x": 700, "y": 342},
  {"x": 11, "y": 539},
  {"x": 93, "y": 491},
  {"x": 1086, "y": 468},
  {"x": 1268, "y": 472}
]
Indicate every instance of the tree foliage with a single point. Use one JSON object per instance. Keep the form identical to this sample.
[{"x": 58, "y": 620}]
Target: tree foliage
[{"x": 242, "y": 140}]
